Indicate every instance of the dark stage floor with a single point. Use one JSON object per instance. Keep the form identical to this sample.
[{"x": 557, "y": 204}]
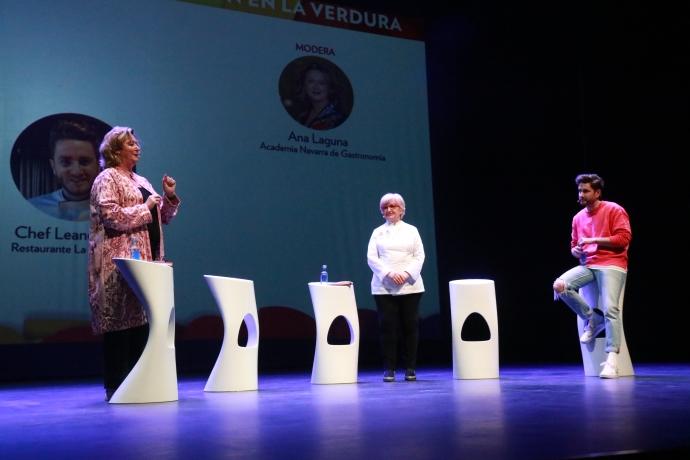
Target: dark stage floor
[{"x": 545, "y": 412}]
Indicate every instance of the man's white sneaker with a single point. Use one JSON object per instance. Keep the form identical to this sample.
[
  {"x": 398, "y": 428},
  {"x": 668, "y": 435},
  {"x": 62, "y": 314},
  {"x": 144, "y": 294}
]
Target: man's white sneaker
[
  {"x": 591, "y": 330},
  {"x": 610, "y": 370}
]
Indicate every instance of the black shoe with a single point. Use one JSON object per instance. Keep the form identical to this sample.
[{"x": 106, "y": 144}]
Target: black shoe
[
  {"x": 389, "y": 375},
  {"x": 410, "y": 375},
  {"x": 108, "y": 395}
]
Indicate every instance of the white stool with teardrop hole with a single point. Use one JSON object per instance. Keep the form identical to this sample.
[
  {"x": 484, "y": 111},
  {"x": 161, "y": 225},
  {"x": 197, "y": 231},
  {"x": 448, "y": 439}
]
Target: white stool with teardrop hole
[
  {"x": 594, "y": 352},
  {"x": 154, "y": 377},
  {"x": 474, "y": 359},
  {"x": 334, "y": 363},
  {"x": 236, "y": 368}
]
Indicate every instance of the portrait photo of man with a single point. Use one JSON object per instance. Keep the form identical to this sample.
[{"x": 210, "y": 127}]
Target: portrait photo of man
[{"x": 56, "y": 176}]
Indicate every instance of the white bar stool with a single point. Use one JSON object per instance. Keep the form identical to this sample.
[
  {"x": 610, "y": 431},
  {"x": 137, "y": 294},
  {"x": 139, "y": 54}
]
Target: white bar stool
[
  {"x": 474, "y": 359},
  {"x": 334, "y": 363},
  {"x": 236, "y": 368},
  {"x": 594, "y": 352},
  {"x": 154, "y": 377}
]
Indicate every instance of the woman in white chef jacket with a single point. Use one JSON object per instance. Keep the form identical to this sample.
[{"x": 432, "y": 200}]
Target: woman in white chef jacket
[{"x": 396, "y": 255}]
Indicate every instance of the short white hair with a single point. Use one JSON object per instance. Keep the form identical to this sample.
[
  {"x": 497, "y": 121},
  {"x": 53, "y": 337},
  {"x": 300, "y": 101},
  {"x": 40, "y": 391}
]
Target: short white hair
[{"x": 394, "y": 198}]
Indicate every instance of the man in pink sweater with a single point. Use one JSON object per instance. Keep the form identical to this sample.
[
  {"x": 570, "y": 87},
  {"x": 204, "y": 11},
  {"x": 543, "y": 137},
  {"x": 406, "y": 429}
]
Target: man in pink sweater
[{"x": 600, "y": 239}]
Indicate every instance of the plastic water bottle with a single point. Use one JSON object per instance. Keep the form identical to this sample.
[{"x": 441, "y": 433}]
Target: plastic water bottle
[
  {"x": 135, "y": 253},
  {"x": 324, "y": 274}
]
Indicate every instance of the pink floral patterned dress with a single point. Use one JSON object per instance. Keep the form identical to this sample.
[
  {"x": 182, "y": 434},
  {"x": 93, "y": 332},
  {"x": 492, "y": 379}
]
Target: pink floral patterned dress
[{"x": 118, "y": 212}]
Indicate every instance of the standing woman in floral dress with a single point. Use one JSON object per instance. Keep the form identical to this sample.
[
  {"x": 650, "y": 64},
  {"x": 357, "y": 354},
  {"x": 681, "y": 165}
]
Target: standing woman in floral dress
[{"x": 124, "y": 208}]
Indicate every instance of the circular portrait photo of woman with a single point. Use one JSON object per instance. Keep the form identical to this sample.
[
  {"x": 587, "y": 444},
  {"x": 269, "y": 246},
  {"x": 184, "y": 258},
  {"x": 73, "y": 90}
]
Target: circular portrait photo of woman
[
  {"x": 54, "y": 162},
  {"x": 316, "y": 93}
]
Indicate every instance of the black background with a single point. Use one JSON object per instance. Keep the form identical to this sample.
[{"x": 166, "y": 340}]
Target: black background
[{"x": 523, "y": 97}]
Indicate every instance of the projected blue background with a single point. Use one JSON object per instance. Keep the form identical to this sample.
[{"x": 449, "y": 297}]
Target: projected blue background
[{"x": 200, "y": 86}]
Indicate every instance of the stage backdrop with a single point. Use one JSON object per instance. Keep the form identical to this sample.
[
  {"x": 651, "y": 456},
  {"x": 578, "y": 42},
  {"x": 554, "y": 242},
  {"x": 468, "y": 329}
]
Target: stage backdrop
[{"x": 216, "y": 93}]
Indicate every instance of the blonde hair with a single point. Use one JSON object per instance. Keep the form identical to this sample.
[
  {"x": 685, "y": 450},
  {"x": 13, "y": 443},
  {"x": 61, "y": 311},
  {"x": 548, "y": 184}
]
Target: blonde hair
[
  {"x": 394, "y": 198},
  {"x": 112, "y": 143}
]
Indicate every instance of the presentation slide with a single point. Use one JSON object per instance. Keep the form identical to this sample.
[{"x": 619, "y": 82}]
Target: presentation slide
[{"x": 220, "y": 95}]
